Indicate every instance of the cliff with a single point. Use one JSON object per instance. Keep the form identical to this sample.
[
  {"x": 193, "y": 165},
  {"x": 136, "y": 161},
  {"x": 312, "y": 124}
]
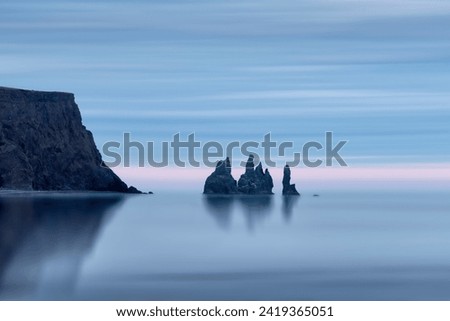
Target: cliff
[{"x": 44, "y": 145}]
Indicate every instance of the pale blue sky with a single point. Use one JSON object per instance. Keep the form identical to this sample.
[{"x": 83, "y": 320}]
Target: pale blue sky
[{"x": 374, "y": 72}]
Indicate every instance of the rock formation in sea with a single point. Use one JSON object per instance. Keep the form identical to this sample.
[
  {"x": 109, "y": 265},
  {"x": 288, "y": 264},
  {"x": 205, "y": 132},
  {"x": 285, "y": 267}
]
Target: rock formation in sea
[
  {"x": 44, "y": 145},
  {"x": 255, "y": 180},
  {"x": 288, "y": 188},
  {"x": 221, "y": 181}
]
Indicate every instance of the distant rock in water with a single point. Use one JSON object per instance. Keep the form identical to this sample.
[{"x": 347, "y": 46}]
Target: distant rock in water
[
  {"x": 255, "y": 180},
  {"x": 221, "y": 181},
  {"x": 44, "y": 145},
  {"x": 288, "y": 188}
]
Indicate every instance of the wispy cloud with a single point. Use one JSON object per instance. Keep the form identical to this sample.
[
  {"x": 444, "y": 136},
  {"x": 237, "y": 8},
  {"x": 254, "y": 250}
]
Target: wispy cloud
[
  {"x": 376, "y": 70},
  {"x": 245, "y": 17}
]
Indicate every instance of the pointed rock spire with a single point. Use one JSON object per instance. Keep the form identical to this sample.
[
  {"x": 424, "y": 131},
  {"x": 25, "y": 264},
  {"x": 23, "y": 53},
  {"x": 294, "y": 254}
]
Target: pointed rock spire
[
  {"x": 288, "y": 188},
  {"x": 255, "y": 181}
]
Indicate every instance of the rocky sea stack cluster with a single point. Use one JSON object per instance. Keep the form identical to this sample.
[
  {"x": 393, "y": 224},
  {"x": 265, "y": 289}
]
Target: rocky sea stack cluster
[
  {"x": 44, "y": 145},
  {"x": 255, "y": 181}
]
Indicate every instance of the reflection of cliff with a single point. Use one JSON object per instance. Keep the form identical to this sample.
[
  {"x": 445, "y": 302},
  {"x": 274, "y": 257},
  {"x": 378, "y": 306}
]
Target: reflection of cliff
[{"x": 43, "y": 240}]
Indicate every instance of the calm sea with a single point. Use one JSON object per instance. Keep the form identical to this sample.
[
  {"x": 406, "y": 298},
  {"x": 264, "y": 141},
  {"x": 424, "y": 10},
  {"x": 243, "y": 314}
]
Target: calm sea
[{"x": 340, "y": 245}]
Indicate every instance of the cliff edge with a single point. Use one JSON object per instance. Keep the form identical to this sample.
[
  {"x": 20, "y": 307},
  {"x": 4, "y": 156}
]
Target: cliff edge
[{"x": 44, "y": 145}]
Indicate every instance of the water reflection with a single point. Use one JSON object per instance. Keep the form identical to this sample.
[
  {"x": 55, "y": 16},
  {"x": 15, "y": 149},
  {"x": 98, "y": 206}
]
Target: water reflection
[
  {"x": 220, "y": 207},
  {"x": 44, "y": 239},
  {"x": 254, "y": 208},
  {"x": 289, "y": 203}
]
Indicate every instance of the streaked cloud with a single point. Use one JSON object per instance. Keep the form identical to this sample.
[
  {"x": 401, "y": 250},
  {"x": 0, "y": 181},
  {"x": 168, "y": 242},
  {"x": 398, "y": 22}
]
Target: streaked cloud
[
  {"x": 374, "y": 71},
  {"x": 247, "y": 17}
]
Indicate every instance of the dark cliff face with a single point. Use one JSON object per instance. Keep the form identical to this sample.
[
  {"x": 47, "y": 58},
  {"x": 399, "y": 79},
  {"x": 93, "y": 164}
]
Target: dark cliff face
[{"x": 44, "y": 145}]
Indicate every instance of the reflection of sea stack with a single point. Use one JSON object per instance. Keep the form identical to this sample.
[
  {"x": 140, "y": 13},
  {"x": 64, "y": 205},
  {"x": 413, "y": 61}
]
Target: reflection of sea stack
[
  {"x": 44, "y": 145},
  {"x": 254, "y": 180},
  {"x": 221, "y": 181},
  {"x": 288, "y": 188}
]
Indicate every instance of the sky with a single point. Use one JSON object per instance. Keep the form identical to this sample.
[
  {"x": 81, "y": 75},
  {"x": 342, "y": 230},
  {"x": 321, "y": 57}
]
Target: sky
[{"x": 374, "y": 72}]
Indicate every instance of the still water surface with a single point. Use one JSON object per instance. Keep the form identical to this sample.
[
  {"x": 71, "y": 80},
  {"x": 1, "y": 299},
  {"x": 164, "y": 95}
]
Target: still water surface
[{"x": 342, "y": 245}]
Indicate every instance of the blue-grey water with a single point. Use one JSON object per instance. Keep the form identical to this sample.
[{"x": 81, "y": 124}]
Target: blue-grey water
[{"x": 341, "y": 245}]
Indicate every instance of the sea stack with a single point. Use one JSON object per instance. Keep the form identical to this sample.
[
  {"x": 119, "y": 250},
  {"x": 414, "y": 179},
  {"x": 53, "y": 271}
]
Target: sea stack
[
  {"x": 44, "y": 145},
  {"x": 288, "y": 188},
  {"x": 221, "y": 181},
  {"x": 255, "y": 180}
]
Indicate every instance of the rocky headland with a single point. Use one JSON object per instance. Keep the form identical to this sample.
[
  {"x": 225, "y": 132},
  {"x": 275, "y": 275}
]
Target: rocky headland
[{"x": 44, "y": 145}]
